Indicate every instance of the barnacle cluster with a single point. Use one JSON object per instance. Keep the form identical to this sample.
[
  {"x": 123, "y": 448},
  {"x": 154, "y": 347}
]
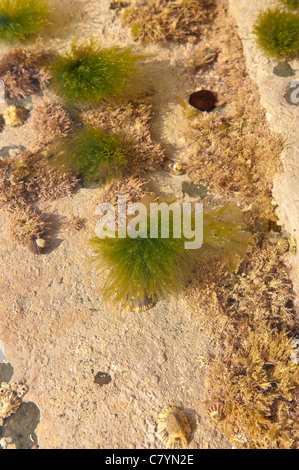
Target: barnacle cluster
[
  {"x": 22, "y": 18},
  {"x": 163, "y": 20}
]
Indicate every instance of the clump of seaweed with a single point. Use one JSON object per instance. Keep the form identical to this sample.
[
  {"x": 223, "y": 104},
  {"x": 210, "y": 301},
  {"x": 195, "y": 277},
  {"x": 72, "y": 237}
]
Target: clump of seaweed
[
  {"x": 277, "y": 33},
  {"x": 258, "y": 289},
  {"x": 132, "y": 187},
  {"x": 51, "y": 120},
  {"x": 142, "y": 268},
  {"x": 233, "y": 152},
  {"x": 28, "y": 227},
  {"x": 23, "y": 72},
  {"x": 235, "y": 155},
  {"x": 28, "y": 178},
  {"x": 92, "y": 154},
  {"x": 292, "y": 4},
  {"x": 257, "y": 380},
  {"x": 147, "y": 266},
  {"x": 91, "y": 74},
  {"x": 131, "y": 121},
  {"x": 22, "y": 18},
  {"x": 163, "y": 20},
  {"x": 74, "y": 223},
  {"x": 225, "y": 231}
]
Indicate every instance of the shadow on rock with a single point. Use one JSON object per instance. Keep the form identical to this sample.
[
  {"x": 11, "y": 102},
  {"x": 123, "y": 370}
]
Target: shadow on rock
[{"x": 21, "y": 426}]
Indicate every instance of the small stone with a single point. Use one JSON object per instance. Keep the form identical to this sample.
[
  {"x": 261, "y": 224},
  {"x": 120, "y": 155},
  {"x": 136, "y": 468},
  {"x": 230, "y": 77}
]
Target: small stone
[
  {"x": 283, "y": 69},
  {"x": 102, "y": 378},
  {"x": 15, "y": 116}
]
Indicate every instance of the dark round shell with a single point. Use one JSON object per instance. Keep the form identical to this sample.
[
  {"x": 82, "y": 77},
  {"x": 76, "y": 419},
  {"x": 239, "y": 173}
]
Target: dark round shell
[{"x": 204, "y": 100}]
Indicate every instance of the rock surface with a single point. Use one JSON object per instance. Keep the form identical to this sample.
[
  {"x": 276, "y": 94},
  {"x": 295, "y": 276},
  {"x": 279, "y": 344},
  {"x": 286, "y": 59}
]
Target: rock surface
[{"x": 282, "y": 116}]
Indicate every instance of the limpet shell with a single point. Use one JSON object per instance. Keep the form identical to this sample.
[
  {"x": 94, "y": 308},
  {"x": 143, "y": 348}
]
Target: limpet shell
[
  {"x": 15, "y": 116},
  {"x": 216, "y": 412},
  {"x": 173, "y": 428},
  {"x": 11, "y": 398}
]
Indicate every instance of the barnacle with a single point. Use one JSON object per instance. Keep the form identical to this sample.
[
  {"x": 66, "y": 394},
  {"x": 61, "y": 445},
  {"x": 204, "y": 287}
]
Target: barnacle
[
  {"x": 176, "y": 168},
  {"x": 217, "y": 412},
  {"x": 37, "y": 245},
  {"x": 173, "y": 428},
  {"x": 282, "y": 245}
]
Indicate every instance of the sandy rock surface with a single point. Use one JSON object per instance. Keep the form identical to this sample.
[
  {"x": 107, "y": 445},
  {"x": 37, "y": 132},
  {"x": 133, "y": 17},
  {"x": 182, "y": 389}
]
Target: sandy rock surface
[{"x": 59, "y": 336}]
